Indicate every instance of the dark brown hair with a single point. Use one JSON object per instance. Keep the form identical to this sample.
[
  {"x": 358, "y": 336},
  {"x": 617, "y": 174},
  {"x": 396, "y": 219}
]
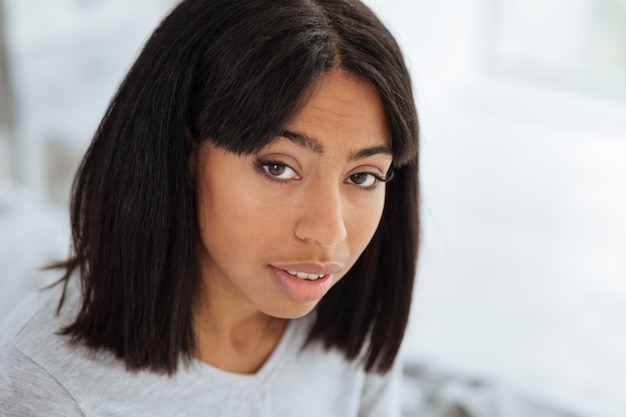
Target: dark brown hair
[{"x": 235, "y": 71}]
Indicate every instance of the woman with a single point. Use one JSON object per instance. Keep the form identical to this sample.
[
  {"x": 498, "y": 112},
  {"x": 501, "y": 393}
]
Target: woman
[{"x": 245, "y": 226}]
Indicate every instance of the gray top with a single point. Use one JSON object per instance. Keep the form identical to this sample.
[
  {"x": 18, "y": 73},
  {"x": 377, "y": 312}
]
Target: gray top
[{"x": 41, "y": 374}]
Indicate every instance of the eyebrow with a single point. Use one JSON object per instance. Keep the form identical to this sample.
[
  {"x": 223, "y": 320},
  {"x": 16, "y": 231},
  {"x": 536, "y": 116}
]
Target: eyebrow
[
  {"x": 304, "y": 141},
  {"x": 374, "y": 150},
  {"x": 315, "y": 146}
]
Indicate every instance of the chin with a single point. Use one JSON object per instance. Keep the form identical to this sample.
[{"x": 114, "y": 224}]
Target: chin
[{"x": 292, "y": 311}]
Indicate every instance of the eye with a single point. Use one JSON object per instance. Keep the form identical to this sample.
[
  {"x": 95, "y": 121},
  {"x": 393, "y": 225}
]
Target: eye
[
  {"x": 364, "y": 179},
  {"x": 276, "y": 170}
]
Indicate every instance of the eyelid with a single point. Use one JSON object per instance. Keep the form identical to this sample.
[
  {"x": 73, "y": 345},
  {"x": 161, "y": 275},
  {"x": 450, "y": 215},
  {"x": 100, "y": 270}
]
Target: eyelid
[
  {"x": 375, "y": 170},
  {"x": 378, "y": 179},
  {"x": 365, "y": 187},
  {"x": 261, "y": 163},
  {"x": 279, "y": 157}
]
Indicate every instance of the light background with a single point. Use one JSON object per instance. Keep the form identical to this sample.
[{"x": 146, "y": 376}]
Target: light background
[{"x": 522, "y": 276}]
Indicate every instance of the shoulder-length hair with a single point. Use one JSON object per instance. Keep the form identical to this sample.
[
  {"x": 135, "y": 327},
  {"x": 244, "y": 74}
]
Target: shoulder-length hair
[{"x": 234, "y": 71}]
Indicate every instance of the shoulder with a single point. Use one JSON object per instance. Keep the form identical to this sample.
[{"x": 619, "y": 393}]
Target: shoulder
[
  {"x": 32, "y": 355},
  {"x": 33, "y": 326},
  {"x": 26, "y": 386},
  {"x": 19, "y": 317},
  {"x": 28, "y": 389},
  {"x": 40, "y": 367}
]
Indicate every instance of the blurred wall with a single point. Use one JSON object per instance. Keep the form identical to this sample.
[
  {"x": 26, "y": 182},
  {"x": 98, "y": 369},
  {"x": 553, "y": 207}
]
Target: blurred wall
[
  {"x": 6, "y": 102},
  {"x": 66, "y": 59},
  {"x": 522, "y": 268}
]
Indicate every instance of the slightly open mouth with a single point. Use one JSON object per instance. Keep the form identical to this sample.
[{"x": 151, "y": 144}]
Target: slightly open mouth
[{"x": 304, "y": 275}]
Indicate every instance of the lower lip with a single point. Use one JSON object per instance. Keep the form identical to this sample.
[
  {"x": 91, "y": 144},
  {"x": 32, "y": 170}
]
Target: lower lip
[{"x": 302, "y": 289}]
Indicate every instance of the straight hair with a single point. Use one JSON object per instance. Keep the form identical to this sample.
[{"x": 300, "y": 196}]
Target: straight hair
[{"x": 233, "y": 72}]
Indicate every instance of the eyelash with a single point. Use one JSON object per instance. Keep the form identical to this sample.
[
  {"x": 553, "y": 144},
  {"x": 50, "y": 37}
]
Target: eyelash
[{"x": 262, "y": 166}]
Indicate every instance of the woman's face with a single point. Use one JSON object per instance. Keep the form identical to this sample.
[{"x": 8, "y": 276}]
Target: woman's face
[{"x": 280, "y": 227}]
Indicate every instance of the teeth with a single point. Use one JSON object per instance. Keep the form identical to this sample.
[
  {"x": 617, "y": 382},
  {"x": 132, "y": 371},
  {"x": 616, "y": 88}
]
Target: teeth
[{"x": 303, "y": 275}]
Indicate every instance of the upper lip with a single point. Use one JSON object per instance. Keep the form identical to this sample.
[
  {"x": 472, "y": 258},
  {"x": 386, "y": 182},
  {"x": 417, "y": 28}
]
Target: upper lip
[{"x": 313, "y": 268}]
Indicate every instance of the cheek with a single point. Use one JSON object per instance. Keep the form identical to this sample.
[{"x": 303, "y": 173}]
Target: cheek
[
  {"x": 362, "y": 223},
  {"x": 239, "y": 217}
]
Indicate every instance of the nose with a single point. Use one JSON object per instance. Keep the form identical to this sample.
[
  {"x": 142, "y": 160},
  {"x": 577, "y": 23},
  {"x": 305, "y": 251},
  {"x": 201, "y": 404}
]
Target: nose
[{"x": 321, "y": 217}]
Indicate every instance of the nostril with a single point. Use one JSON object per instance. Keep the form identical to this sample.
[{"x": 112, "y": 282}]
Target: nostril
[{"x": 324, "y": 226}]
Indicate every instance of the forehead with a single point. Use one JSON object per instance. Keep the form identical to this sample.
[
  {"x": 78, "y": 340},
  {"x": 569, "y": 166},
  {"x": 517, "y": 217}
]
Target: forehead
[{"x": 345, "y": 107}]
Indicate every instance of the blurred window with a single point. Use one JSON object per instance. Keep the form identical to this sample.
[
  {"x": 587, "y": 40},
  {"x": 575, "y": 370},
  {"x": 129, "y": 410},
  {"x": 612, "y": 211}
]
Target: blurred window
[{"x": 576, "y": 43}]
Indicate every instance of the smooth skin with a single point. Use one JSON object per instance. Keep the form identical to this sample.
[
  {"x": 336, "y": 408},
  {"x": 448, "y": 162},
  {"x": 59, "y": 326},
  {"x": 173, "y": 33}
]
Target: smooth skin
[{"x": 313, "y": 196}]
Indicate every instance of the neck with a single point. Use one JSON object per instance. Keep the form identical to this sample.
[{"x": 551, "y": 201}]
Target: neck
[{"x": 234, "y": 339}]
